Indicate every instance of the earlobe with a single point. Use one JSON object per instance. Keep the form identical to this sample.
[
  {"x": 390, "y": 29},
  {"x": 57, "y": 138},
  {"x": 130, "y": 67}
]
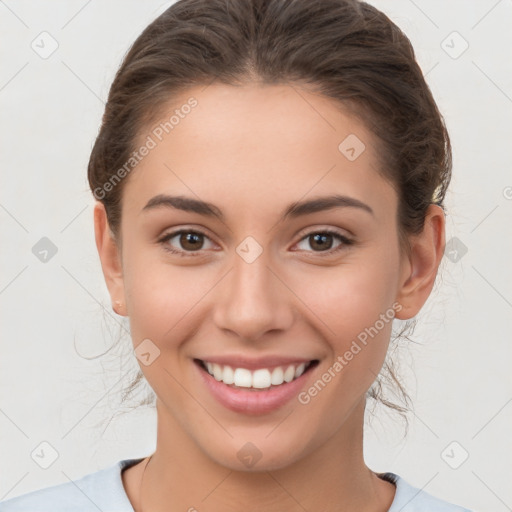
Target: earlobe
[
  {"x": 110, "y": 257},
  {"x": 420, "y": 270}
]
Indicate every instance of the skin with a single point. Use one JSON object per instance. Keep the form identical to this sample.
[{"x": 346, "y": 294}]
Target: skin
[{"x": 252, "y": 150}]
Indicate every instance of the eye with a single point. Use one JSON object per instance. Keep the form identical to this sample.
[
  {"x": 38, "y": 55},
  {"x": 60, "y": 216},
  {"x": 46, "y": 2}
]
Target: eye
[
  {"x": 322, "y": 240},
  {"x": 191, "y": 242}
]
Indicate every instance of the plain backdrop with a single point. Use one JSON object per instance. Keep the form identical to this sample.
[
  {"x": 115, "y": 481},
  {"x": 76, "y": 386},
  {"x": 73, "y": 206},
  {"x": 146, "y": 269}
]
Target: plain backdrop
[{"x": 56, "y": 315}]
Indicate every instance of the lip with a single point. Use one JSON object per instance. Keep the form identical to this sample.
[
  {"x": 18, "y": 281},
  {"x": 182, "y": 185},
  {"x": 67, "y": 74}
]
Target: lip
[
  {"x": 241, "y": 361},
  {"x": 253, "y": 402}
]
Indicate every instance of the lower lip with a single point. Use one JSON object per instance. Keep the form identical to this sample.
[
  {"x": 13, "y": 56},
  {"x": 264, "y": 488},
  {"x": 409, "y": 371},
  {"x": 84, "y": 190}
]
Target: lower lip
[{"x": 253, "y": 402}]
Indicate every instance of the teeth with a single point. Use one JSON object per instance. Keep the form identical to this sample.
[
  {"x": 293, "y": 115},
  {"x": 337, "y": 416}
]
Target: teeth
[
  {"x": 277, "y": 376},
  {"x": 243, "y": 378},
  {"x": 259, "y": 379},
  {"x": 228, "y": 376}
]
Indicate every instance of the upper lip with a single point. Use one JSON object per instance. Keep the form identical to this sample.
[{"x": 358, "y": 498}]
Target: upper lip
[{"x": 270, "y": 361}]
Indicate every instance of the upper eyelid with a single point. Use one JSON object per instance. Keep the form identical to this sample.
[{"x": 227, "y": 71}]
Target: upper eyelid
[{"x": 331, "y": 230}]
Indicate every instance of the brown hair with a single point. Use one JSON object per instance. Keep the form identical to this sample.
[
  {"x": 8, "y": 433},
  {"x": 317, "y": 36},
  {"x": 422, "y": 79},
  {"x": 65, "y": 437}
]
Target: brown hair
[{"x": 346, "y": 50}]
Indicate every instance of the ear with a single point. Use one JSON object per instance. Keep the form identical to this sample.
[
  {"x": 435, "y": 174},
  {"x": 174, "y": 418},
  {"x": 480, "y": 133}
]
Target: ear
[
  {"x": 420, "y": 267},
  {"x": 110, "y": 257}
]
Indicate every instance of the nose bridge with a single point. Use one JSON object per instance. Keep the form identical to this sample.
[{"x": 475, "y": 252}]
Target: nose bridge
[{"x": 252, "y": 299}]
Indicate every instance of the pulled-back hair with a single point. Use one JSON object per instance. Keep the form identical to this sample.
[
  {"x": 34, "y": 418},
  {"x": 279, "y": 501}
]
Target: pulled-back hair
[{"x": 346, "y": 50}]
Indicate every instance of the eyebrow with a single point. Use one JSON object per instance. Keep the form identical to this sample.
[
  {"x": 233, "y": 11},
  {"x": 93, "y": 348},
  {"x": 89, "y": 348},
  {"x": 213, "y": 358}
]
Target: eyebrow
[{"x": 294, "y": 210}]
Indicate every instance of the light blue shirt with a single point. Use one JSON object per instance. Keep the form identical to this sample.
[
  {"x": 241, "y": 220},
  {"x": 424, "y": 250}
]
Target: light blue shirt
[{"x": 104, "y": 491}]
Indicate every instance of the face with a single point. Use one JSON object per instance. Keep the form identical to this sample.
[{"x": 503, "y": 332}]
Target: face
[{"x": 254, "y": 274}]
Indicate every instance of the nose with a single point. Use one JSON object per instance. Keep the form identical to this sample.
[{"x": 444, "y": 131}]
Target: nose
[{"x": 253, "y": 299}]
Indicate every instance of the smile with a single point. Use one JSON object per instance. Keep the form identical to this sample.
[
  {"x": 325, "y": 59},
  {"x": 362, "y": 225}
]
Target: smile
[
  {"x": 236, "y": 388},
  {"x": 262, "y": 378}
]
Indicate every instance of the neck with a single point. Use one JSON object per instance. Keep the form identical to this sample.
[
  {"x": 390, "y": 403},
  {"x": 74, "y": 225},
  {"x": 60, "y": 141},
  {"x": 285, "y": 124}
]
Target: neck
[{"x": 333, "y": 477}]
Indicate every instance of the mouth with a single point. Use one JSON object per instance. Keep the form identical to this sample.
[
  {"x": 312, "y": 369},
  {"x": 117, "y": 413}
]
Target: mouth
[
  {"x": 261, "y": 379},
  {"x": 259, "y": 391}
]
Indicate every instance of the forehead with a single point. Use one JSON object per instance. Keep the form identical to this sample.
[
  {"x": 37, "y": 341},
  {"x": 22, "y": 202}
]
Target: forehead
[{"x": 257, "y": 142}]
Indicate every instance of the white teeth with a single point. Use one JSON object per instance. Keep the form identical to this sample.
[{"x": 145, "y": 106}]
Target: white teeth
[
  {"x": 259, "y": 379},
  {"x": 289, "y": 374},
  {"x": 277, "y": 376},
  {"x": 217, "y": 371},
  {"x": 228, "y": 376},
  {"x": 242, "y": 378},
  {"x": 300, "y": 370}
]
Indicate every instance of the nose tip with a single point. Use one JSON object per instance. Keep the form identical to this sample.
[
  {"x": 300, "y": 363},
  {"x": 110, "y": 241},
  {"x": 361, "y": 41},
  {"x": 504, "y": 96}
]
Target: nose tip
[{"x": 252, "y": 300}]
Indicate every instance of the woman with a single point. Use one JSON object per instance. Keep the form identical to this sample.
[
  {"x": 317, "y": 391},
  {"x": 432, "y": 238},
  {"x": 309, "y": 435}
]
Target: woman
[{"x": 270, "y": 178}]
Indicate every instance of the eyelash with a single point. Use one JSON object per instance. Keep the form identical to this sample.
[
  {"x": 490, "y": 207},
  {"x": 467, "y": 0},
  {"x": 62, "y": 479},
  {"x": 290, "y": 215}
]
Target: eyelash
[{"x": 345, "y": 241}]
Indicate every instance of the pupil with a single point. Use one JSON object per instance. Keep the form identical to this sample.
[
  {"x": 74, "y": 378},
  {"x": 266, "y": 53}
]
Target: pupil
[
  {"x": 190, "y": 238},
  {"x": 321, "y": 237}
]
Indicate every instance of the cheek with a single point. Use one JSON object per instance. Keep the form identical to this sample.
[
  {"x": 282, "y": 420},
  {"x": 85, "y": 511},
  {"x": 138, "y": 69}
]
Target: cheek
[
  {"x": 161, "y": 297},
  {"x": 354, "y": 302},
  {"x": 351, "y": 297}
]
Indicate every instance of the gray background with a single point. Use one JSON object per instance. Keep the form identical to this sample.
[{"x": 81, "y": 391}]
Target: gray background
[{"x": 55, "y": 315}]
